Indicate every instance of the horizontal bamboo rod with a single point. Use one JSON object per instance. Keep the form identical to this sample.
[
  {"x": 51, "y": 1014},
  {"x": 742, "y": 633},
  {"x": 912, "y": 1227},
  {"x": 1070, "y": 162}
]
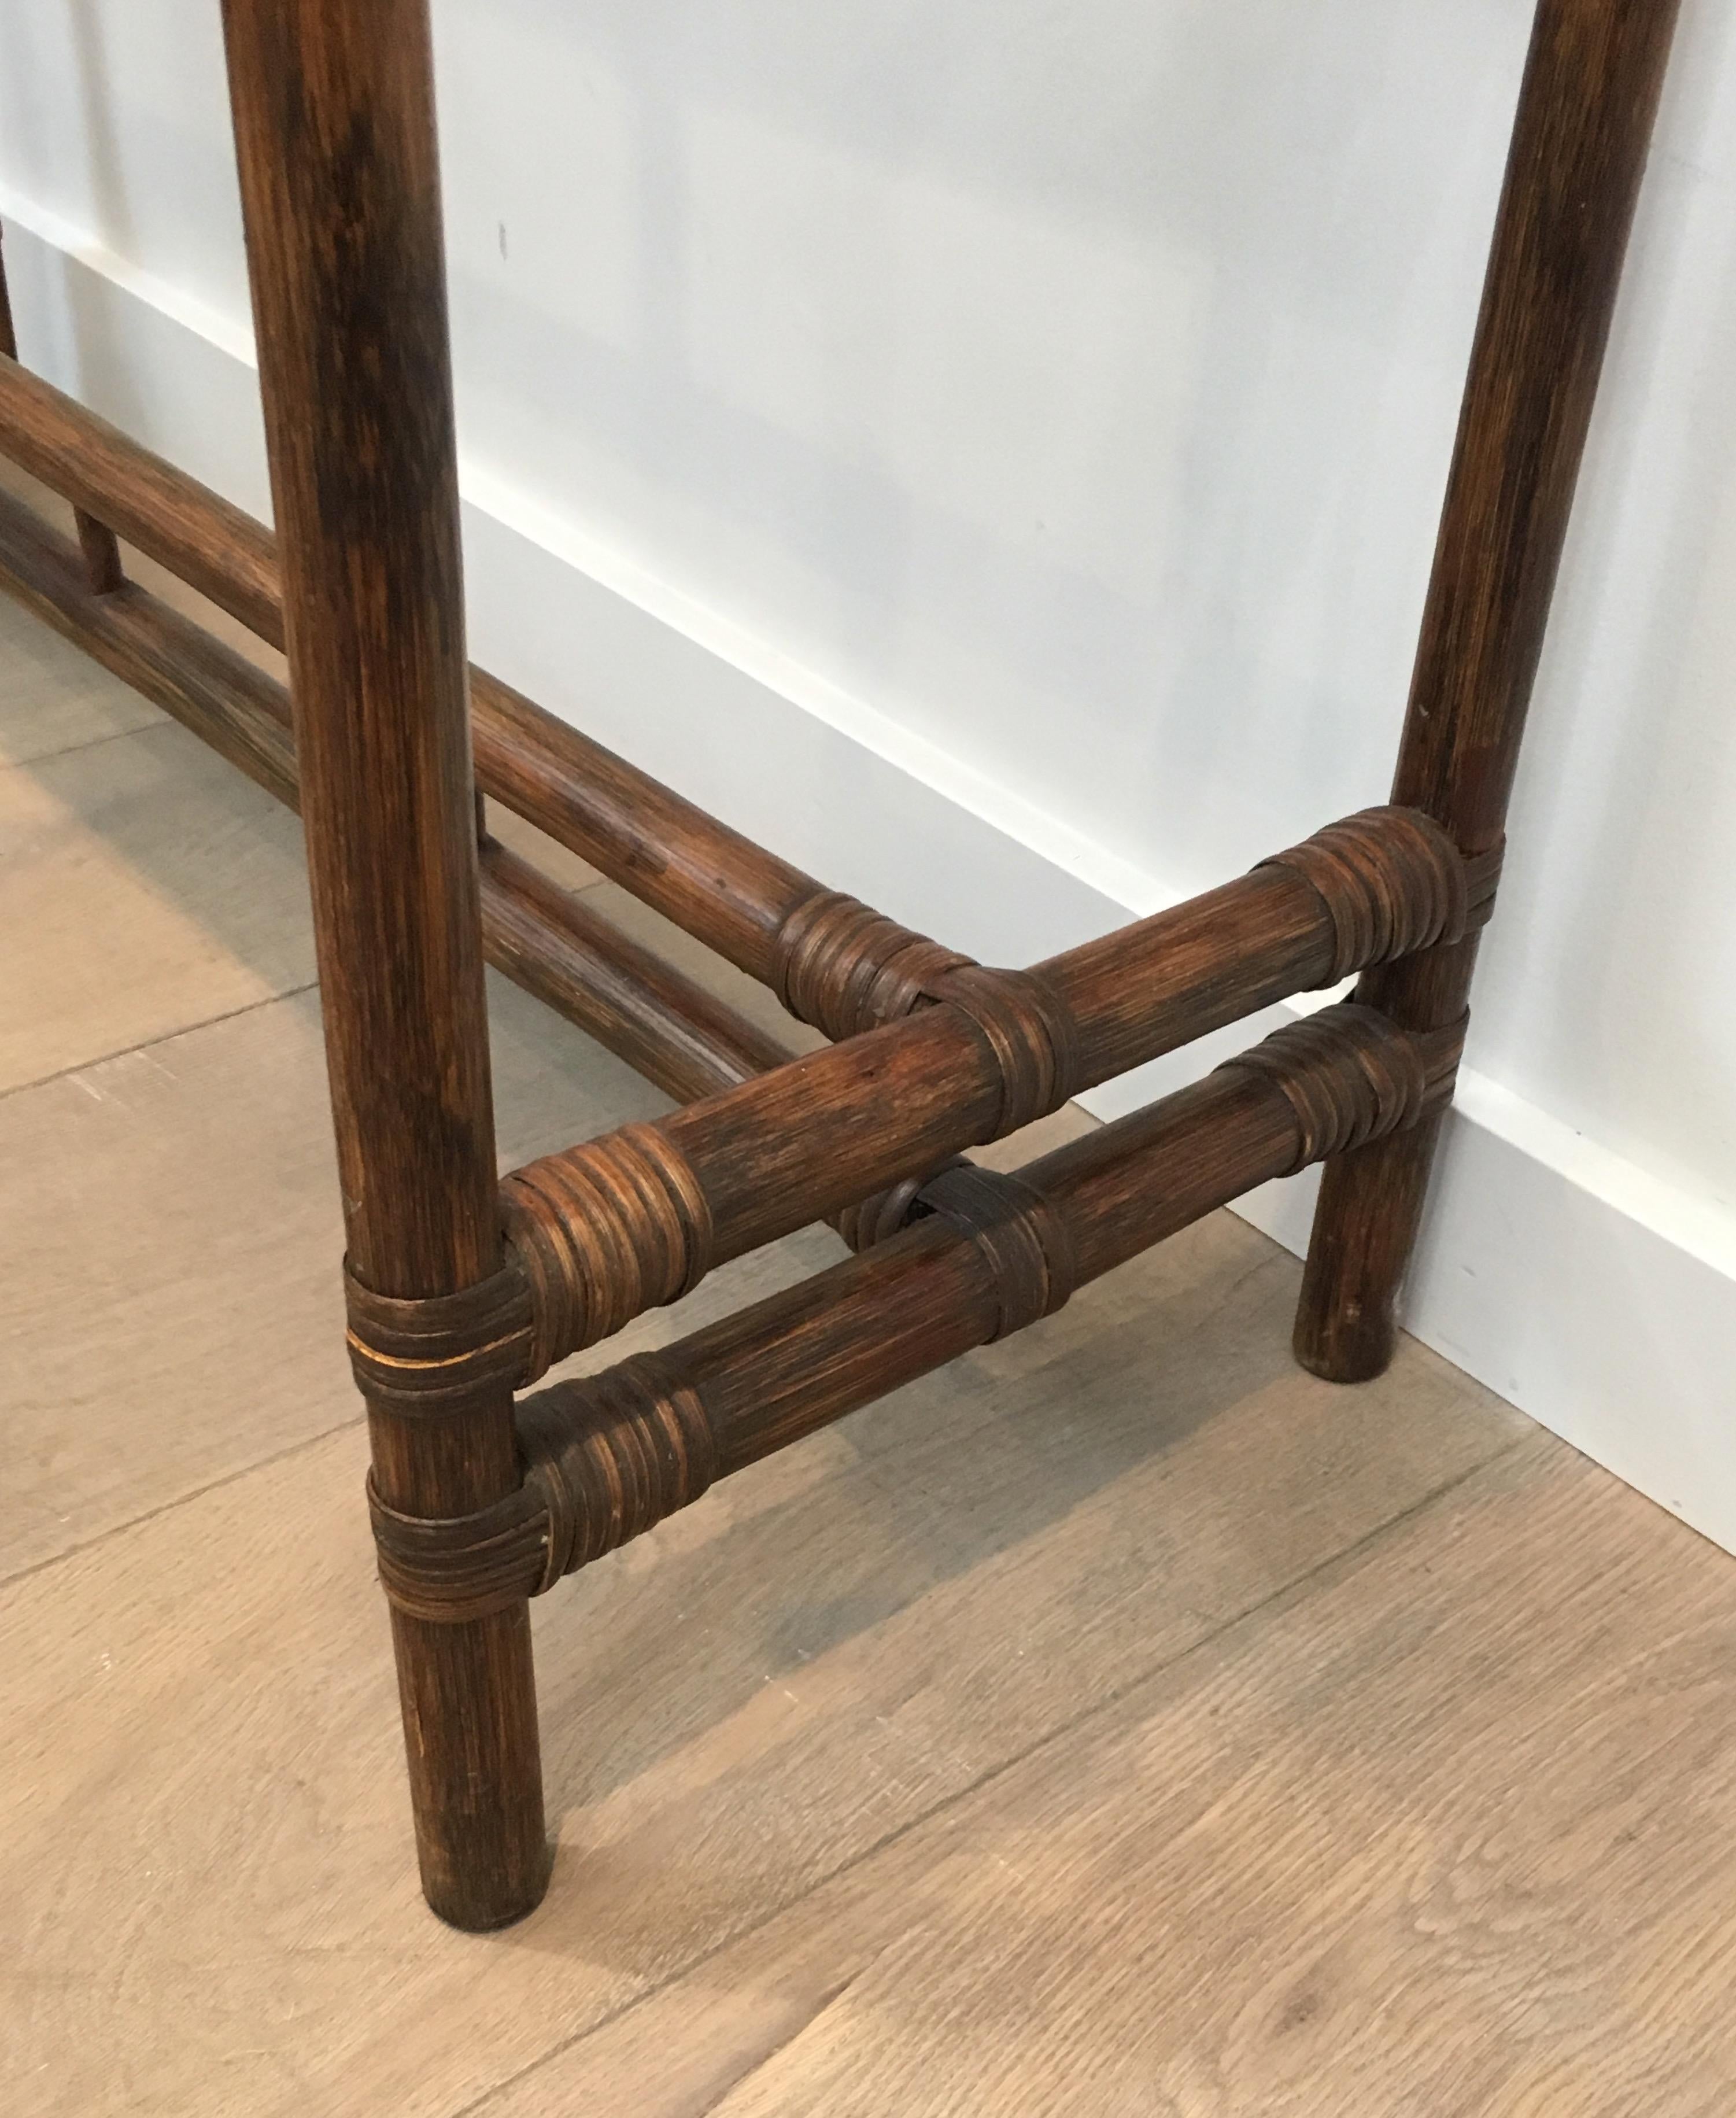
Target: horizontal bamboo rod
[
  {"x": 663, "y": 1024},
  {"x": 608, "y": 1228},
  {"x": 795, "y": 1362},
  {"x": 1145, "y": 989},
  {"x": 809, "y": 1140},
  {"x": 610, "y": 1455},
  {"x": 722, "y": 888},
  {"x": 213, "y": 547},
  {"x": 223, "y": 698},
  {"x": 710, "y": 880}
]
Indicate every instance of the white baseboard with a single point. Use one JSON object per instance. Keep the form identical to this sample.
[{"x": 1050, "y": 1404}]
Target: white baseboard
[{"x": 1596, "y": 1297}]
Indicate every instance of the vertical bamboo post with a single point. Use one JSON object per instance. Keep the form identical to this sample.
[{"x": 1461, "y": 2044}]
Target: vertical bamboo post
[
  {"x": 1587, "y": 106},
  {"x": 102, "y": 552},
  {"x": 8, "y": 336},
  {"x": 335, "y": 128},
  {"x": 97, "y": 542}
]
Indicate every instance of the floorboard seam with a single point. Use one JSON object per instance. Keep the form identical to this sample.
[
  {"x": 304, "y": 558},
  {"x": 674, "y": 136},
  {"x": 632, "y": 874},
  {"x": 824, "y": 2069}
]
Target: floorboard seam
[
  {"x": 181, "y": 1500},
  {"x": 72, "y": 749},
  {"x": 758, "y": 2065},
  {"x": 1299, "y": 1584},
  {"x": 168, "y": 1036}
]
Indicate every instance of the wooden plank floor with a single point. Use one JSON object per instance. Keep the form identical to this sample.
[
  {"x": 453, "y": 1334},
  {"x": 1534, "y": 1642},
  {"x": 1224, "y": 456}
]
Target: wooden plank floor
[{"x": 1120, "y": 1723}]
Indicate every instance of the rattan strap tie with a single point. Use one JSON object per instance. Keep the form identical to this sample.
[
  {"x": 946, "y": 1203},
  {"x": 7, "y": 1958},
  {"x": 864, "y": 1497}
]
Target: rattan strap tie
[
  {"x": 1392, "y": 882},
  {"x": 430, "y": 1357},
  {"x": 845, "y": 969},
  {"x": 451, "y": 1568},
  {"x": 1024, "y": 1242},
  {"x": 602, "y": 1233},
  {"x": 1325, "y": 1065},
  {"x": 605, "y": 1459}
]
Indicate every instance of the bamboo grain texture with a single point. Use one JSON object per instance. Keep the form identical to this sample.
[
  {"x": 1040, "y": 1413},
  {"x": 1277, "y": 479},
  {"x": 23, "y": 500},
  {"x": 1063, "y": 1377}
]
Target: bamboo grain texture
[
  {"x": 1590, "y": 95},
  {"x": 684, "y": 1037},
  {"x": 334, "y": 117},
  {"x": 888, "y": 1102},
  {"x": 690, "y": 867},
  {"x": 1116, "y": 1713},
  {"x": 461, "y": 1287}
]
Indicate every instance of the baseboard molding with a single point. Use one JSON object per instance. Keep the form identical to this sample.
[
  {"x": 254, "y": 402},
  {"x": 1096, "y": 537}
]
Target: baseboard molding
[{"x": 1596, "y": 1297}]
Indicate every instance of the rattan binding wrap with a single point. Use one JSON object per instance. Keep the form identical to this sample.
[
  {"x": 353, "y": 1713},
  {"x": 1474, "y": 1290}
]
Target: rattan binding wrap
[
  {"x": 1325, "y": 1065},
  {"x": 427, "y": 1358},
  {"x": 602, "y": 1233},
  {"x": 1024, "y": 1242},
  {"x": 1392, "y": 882},
  {"x": 845, "y": 969},
  {"x": 605, "y": 1459}
]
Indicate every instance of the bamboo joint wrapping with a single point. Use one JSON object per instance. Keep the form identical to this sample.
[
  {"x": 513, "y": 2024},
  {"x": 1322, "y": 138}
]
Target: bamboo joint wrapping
[{"x": 609, "y": 1456}]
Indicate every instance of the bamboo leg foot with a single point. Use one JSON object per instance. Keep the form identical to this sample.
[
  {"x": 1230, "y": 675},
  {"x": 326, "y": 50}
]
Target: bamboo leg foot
[
  {"x": 1592, "y": 84},
  {"x": 1365, "y": 1227},
  {"x": 469, "y": 1703},
  {"x": 1371, "y": 1200}
]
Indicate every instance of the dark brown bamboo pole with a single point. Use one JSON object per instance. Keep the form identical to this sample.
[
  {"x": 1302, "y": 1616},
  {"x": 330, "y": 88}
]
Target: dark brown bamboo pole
[
  {"x": 800, "y": 1360},
  {"x": 810, "y": 1140},
  {"x": 788, "y": 1149},
  {"x": 102, "y": 552},
  {"x": 332, "y": 103},
  {"x": 223, "y": 698},
  {"x": 609, "y": 1455},
  {"x": 1587, "y": 106},
  {"x": 821, "y": 1133},
  {"x": 613, "y": 1226},
  {"x": 545, "y": 939},
  {"x": 835, "y": 1130},
  {"x": 645, "y": 1011},
  {"x": 669, "y": 1029},
  {"x": 722, "y": 888},
  {"x": 706, "y": 878},
  {"x": 710, "y": 880},
  {"x": 215, "y": 548},
  {"x": 8, "y": 332}
]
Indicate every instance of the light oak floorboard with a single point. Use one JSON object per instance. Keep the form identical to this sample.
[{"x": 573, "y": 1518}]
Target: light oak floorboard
[
  {"x": 170, "y": 1234},
  {"x": 53, "y": 697},
  {"x": 1120, "y": 1721},
  {"x": 205, "y": 1867},
  {"x": 1446, "y": 1835},
  {"x": 146, "y": 887},
  {"x": 170, "y": 1304}
]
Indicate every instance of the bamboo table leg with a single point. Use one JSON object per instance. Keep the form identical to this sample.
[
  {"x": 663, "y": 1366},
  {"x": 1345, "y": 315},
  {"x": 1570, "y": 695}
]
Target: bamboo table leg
[
  {"x": 333, "y": 106},
  {"x": 1586, "y": 111},
  {"x": 335, "y": 126},
  {"x": 8, "y": 333},
  {"x": 101, "y": 552}
]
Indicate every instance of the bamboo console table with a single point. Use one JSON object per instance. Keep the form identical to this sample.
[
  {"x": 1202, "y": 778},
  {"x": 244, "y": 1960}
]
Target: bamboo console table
[{"x": 463, "y": 1288}]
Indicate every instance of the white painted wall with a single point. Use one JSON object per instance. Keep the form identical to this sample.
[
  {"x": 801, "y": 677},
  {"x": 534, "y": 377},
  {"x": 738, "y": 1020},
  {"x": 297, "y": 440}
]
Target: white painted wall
[{"x": 993, "y": 449}]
